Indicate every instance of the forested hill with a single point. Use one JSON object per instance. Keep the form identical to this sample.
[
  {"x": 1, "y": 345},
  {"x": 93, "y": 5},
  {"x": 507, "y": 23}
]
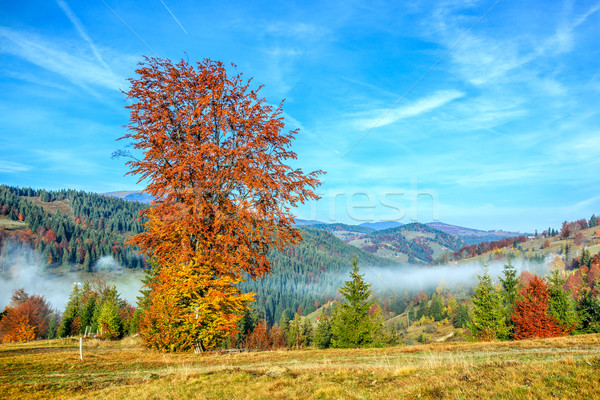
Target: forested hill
[
  {"x": 308, "y": 275},
  {"x": 72, "y": 230},
  {"x": 68, "y": 228}
]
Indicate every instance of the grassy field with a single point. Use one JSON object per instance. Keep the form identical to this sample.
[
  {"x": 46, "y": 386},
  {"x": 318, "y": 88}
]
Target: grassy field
[{"x": 562, "y": 368}]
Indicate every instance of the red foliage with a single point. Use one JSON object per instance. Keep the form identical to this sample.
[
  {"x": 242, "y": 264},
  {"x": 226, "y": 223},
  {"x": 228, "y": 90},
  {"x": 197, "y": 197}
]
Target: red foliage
[
  {"x": 530, "y": 317},
  {"x": 215, "y": 159},
  {"x": 484, "y": 247},
  {"x": 526, "y": 278},
  {"x": 26, "y": 318},
  {"x": 259, "y": 338}
]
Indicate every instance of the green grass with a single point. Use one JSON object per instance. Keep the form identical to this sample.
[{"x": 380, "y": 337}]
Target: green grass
[{"x": 561, "y": 368}]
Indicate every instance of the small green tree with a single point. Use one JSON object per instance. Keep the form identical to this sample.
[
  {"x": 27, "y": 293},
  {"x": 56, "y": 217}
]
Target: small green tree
[
  {"x": 487, "y": 321},
  {"x": 510, "y": 284},
  {"x": 109, "y": 318},
  {"x": 294, "y": 330},
  {"x": 561, "y": 305},
  {"x": 306, "y": 333},
  {"x": 71, "y": 322},
  {"x": 351, "y": 324},
  {"x": 323, "y": 333},
  {"x": 437, "y": 307},
  {"x": 462, "y": 317}
]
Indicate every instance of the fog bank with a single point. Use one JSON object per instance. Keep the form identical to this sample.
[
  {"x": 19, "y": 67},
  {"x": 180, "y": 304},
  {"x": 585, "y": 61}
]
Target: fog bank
[{"x": 22, "y": 267}]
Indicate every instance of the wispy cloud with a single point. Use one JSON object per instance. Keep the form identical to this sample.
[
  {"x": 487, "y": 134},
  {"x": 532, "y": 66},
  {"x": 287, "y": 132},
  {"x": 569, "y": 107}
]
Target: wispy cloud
[
  {"x": 381, "y": 117},
  {"x": 82, "y": 32},
  {"x": 72, "y": 66},
  {"x": 10, "y": 167}
]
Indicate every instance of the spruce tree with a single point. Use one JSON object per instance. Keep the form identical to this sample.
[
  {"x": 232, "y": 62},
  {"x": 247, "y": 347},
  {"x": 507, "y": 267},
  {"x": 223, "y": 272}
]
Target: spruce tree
[
  {"x": 322, "y": 337},
  {"x": 487, "y": 322},
  {"x": 561, "y": 304},
  {"x": 351, "y": 324},
  {"x": 510, "y": 285},
  {"x": 462, "y": 317},
  {"x": 70, "y": 324},
  {"x": 437, "y": 307}
]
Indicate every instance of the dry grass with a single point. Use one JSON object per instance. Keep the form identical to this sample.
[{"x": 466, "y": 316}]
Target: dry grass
[
  {"x": 564, "y": 368},
  {"x": 10, "y": 225},
  {"x": 52, "y": 207}
]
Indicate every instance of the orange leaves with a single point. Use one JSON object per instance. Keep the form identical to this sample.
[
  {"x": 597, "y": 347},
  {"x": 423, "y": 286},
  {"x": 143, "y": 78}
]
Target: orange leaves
[
  {"x": 26, "y": 318},
  {"x": 530, "y": 317},
  {"x": 215, "y": 160}
]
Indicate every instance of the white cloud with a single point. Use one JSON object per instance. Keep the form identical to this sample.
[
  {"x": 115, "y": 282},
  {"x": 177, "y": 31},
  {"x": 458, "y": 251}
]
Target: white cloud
[
  {"x": 81, "y": 30},
  {"x": 71, "y": 65},
  {"x": 12, "y": 167},
  {"x": 380, "y": 117}
]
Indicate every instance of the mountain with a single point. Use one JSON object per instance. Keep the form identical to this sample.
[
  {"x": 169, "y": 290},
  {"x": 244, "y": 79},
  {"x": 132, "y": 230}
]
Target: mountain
[
  {"x": 472, "y": 236},
  {"x": 305, "y": 222},
  {"x": 72, "y": 230},
  {"x": 413, "y": 243},
  {"x": 131, "y": 195},
  {"x": 309, "y": 274},
  {"x": 378, "y": 226}
]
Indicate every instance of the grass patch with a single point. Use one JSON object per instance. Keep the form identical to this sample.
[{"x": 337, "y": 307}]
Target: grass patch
[{"x": 566, "y": 368}]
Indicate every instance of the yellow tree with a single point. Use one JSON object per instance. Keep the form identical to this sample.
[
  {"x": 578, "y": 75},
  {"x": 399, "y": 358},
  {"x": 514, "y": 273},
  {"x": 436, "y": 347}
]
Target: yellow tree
[{"x": 215, "y": 163}]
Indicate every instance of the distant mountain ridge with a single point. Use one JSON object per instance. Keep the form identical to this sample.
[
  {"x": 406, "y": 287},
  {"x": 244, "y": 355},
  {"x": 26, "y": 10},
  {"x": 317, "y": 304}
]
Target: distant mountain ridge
[
  {"x": 130, "y": 195},
  {"x": 472, "y": 236}
]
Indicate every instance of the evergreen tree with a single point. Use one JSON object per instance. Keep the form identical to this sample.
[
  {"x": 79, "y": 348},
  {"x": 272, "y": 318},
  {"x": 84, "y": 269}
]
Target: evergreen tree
[
  {"x": 588, "y": 309},
  {"x": 53, "y": 325},
  {"x": 510, "y": 285},
  {"x": 323, "y": 333},
  {"x": 462, "y": 318},
  {"x": 284, "y": 323},
  {"x": 487, "y": 321},
  {"x": 561, "y": 304},
  {"x": 437, "y": 307},
  {"x": 586, "y": 258},
  {"x": 351, "y": 324},
  {"x": 293, "y": 335},
  {"x": 71, "y": 322},
  {"x": 306, "y": 332}
]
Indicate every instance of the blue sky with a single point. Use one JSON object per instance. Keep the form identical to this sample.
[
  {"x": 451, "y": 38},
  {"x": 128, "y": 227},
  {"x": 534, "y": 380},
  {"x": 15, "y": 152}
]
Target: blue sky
[{"x": 476, "y": 113}]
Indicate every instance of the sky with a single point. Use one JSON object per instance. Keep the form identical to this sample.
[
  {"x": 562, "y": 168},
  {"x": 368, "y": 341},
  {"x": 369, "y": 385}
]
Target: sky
[{"x": 482, "y": 114}]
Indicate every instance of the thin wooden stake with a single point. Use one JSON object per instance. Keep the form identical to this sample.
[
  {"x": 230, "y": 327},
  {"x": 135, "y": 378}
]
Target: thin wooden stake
[{"x": 81, "y": 348}]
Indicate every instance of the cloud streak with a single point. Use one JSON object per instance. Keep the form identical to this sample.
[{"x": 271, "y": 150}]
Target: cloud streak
[
  {"x": 82, "y": 32},
  {"x": 45, "y": 54},
  {"x": 10, "y": 167},
  {"x": 381, "y": 117}
]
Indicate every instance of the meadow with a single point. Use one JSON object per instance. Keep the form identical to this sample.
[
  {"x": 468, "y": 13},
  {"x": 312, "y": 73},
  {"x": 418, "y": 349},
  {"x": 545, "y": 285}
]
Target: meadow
[{"x": 558, "y": 368}]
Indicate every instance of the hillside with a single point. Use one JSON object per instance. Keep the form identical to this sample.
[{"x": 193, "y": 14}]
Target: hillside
[
  {"x": 472, "y": 236},
  {"x": 568, "y": 247},
  {"x": 412, "y": 243},
  {"x": 131, "y": 195},
  {"x": 308, "y": 274},
  {"x": 71, "y": 230}
]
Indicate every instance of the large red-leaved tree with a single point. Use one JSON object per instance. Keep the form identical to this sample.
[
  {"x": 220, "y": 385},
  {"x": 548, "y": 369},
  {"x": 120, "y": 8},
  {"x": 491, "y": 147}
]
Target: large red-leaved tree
[
  {"x": 215, "y": 159},
  {"x": 530, "y": 317}
]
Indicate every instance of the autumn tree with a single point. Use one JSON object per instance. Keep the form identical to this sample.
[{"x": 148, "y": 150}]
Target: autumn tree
[
  {"x": 26, "y": 318},
  {"x": 531, "y": 317},
  {"x": 214, "y": 158}
]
